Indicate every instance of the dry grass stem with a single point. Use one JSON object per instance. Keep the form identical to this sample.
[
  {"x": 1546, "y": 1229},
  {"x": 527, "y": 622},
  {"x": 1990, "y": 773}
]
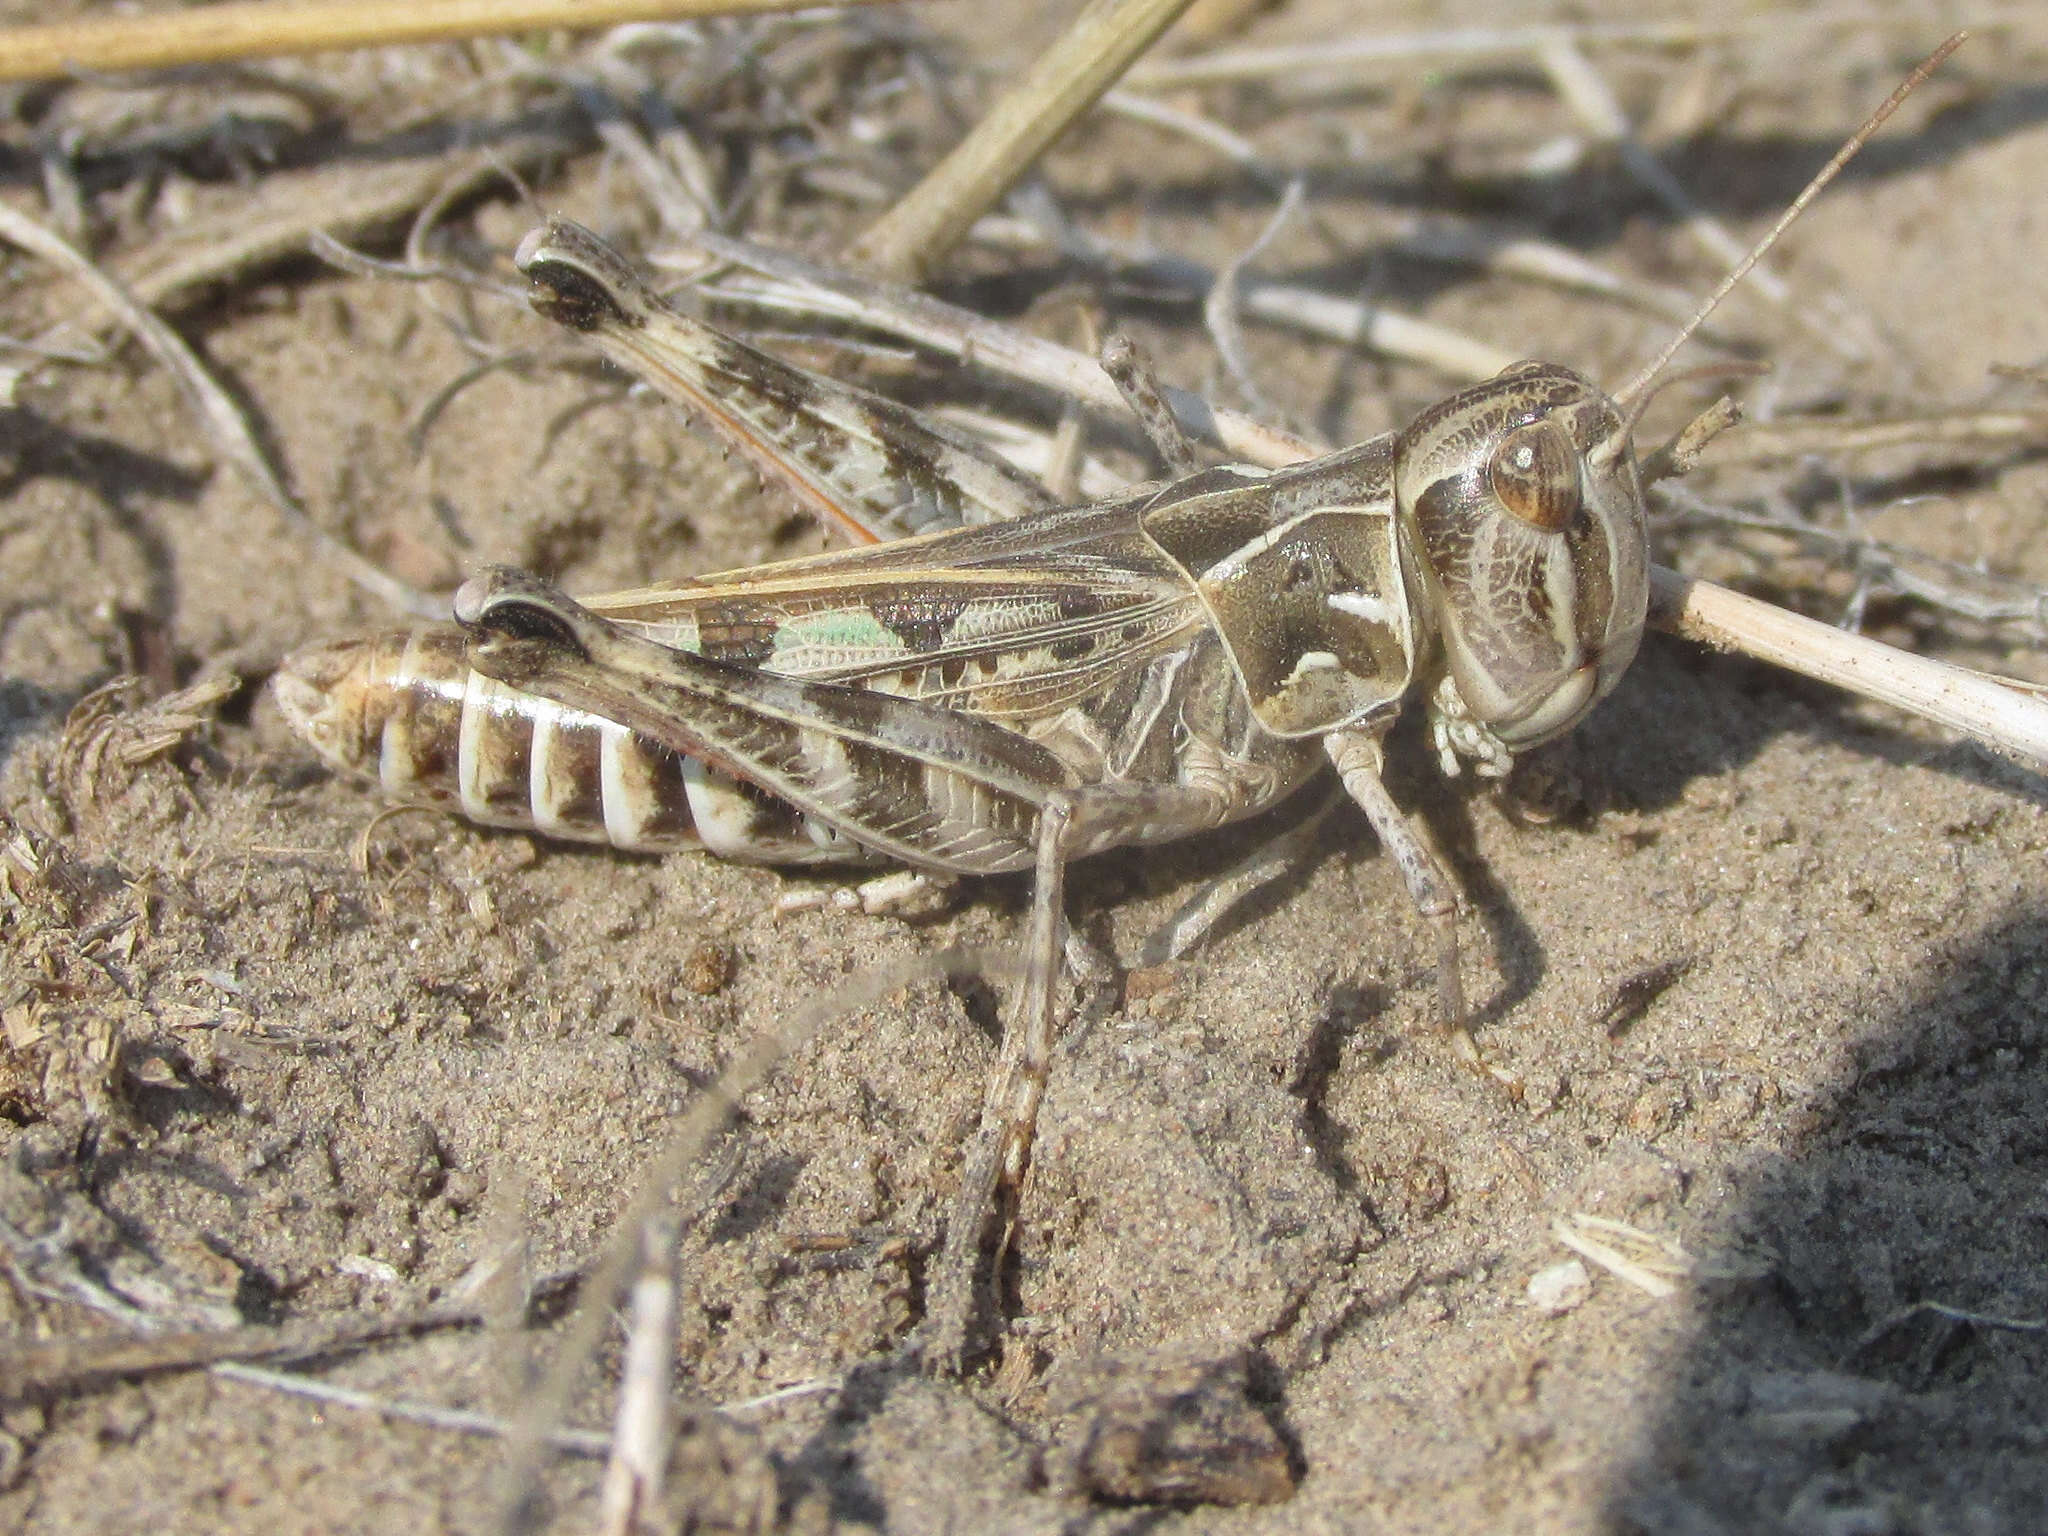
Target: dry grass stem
[
  {"x": 266, "y": 29},
  {"x": 61, "y": 1365},
  {"x": 1042, "y": 454},
  {"x": 644, "y": 1421},
  {"x": 914, "y": 237},
  {"x": 572, "y": 1442},
  {"x": 1969, "y": 431},
  {"x": 1989, "y": 710},
  {"x": 351, "y": 203},
  {"x": 1376, "y": 329},
  {"x": 681, "y": 206},
  {"x": 1221, "y": 311},
  {"x": 803, "y": 287},
  {"x": 1369, "y": 327},
  {"x": 1514, "y": 254},
  {"x": 1212, "y": 135},
  {"x": 1894, "y": 1321},
  {"x": 1967, "y": 591},
  {"x": 695, "y": 1129},
  {"x": 1372, "y": 52},
  {"x": 780, "y": 1395},
  {"x": 219, "y": 416},
  {"x": 1429, "y": 237},
  {"x": 1653, "y": 1265},
  {"x": 467, "y": 1421},
  {"x": 1591, "y": 100}
]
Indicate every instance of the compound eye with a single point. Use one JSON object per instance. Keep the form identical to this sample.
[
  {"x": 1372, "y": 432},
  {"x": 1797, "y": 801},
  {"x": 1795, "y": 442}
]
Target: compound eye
[{"x": 1535, "y": 475}]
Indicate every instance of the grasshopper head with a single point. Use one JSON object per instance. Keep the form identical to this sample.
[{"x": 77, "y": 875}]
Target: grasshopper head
[{"x": 1520, "y": 500}]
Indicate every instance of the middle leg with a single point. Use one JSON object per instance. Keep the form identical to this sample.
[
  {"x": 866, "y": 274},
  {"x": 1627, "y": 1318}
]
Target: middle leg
[{"x": 1071, "y": 822}]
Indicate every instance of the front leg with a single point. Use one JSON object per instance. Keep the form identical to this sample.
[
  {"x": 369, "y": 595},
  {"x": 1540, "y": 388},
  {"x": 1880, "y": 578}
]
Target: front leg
[{"x": 1360, "y": 761}]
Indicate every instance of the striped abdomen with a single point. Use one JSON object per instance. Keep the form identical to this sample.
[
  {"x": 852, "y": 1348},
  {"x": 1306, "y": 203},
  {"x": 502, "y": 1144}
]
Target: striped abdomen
[{"x": 406, "y": 708}]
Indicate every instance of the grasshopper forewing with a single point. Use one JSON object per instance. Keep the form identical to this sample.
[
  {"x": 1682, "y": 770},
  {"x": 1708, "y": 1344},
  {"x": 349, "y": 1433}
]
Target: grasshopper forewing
[{"x": 1049, "y": 684}]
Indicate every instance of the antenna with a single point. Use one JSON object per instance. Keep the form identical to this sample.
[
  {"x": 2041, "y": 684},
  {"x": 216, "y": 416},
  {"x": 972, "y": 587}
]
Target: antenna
[{"x": 1632, "y": 392}]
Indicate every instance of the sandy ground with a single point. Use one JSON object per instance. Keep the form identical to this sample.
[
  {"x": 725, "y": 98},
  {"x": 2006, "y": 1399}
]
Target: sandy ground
[{"x": 1775, "y": 983}]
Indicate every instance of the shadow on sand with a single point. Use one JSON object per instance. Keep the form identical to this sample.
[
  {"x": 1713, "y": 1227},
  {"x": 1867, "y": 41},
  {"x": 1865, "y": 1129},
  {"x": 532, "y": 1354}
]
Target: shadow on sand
[{"x": 1883, "y": 1378}]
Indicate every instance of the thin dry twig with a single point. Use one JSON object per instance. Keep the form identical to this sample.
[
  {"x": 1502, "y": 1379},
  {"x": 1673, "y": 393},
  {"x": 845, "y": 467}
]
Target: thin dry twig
[
  {"x": 1967, "y": 591},
  {"x": 1332, "y": 58},
  {"x": 417, "y": 268},
  {"x": 915, "y": 236},
  {"x": 643, "y": 1420},
  {"x": 265, "y": 29},
  {"x": 1434, "y": 237},
  {"x": 350, "y": 204},
  {"x": 951, "y": 331},
  {"x": 467, "y": 1421},
  {"x": 681, "y": 207},
  {"x": 644, "y": 1423},
  {"x": 1044, "y": 455},
  {"x": 573, "y": 1442},
  {"x": 694, "y": 1132},
  {"x": 1991, "y": 711},
  {"x": 49, "y": 1366},
  {"x": 218, "y": 415},
  {"x": 1368, "y": 327},
  {"x": 364, "y": 838},
  {"x": 1585, "y": 92},
  {"x": 1375, "y": 328},
  {"x": 1228, "y": 143},
  {"x": 1513, "y": 253},
  {"x": 1894, "y": 1321},
  {"x": 1220, "y": 309},
  {"x": 1964, "y": 431}
]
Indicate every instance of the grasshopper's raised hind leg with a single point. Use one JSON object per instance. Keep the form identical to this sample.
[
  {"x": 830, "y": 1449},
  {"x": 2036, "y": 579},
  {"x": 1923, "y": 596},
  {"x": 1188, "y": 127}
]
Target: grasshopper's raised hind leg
[{"x": 859, "y": 461}]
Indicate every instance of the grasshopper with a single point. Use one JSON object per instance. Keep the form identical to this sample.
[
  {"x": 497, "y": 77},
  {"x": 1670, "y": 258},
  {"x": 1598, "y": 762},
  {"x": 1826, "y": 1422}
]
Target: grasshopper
[{"x": 1024, "y": 684}]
